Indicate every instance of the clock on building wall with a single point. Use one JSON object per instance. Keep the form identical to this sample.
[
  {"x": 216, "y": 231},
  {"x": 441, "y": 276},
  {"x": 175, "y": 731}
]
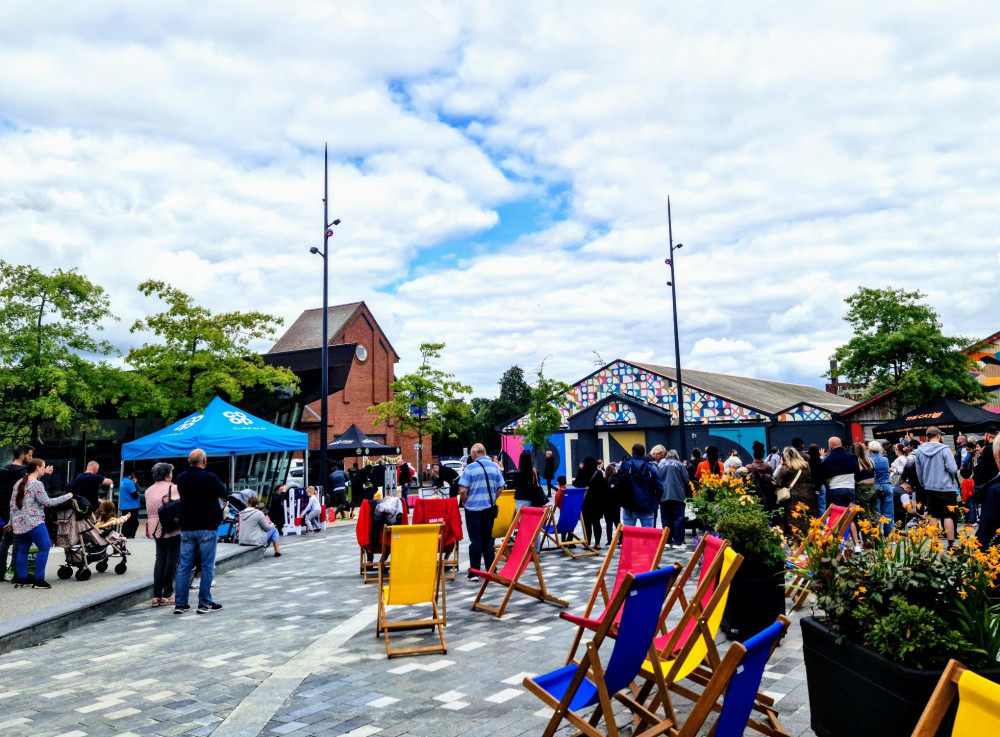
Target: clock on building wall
[{"x": 361, "y": 352}]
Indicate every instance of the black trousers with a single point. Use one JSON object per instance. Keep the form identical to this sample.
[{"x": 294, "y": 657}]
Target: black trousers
[
  {"x": 131, "y": 525},
  {"x": 168, "y": 551}
]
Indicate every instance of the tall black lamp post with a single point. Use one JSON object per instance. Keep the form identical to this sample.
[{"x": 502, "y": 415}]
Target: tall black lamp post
[
  {"x": 677, "y": 340},
  {"x": 324, "y": 421}
]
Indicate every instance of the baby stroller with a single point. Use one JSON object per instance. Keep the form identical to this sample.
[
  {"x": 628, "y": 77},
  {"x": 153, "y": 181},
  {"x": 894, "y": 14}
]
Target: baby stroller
[
  {"x": 229, "y": 528},
  {"x": 84, "y": 543}
]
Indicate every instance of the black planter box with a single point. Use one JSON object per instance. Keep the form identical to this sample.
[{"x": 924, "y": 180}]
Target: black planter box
[
  {"x": 854, "y": 692},
  {"x": 756, "y": 598}
]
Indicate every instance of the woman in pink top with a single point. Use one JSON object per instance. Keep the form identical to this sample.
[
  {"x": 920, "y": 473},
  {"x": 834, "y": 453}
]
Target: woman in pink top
[{"x": 168, "y": 544}]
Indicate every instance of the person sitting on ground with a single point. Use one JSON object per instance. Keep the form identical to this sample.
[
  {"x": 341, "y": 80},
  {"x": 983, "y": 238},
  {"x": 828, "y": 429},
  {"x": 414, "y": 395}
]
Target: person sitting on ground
[
  {"x": 310, "y": 515},
  {"x": 256, "y": 530}
]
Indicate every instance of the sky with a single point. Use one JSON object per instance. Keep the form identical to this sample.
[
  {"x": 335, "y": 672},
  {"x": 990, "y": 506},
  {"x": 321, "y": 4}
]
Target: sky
[{"x": 502, "y": 170}]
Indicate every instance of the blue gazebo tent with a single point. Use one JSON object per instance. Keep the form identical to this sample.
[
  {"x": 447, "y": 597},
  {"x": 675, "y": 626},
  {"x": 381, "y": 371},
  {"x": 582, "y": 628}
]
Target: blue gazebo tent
[{"x": 221, "y": 429}]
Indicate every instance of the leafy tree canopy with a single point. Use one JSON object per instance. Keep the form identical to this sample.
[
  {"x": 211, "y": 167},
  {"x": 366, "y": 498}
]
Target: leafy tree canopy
[
  {"x": 898, "y": 345},
  {"x": 543, "y": 417},
  {"x": 199, "y": 355},
  {"x": 49, "y": 323}
]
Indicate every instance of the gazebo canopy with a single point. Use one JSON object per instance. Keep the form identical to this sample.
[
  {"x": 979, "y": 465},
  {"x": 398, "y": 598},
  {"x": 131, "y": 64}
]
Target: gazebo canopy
[
  {"x": 221, "y": 429},
  {"x": 949, "y": 415},
  {"x": 355, "y": 443}
]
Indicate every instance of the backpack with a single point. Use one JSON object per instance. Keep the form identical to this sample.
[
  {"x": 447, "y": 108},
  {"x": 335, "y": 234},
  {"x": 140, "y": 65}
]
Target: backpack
[{"x": 622, "y": 490}]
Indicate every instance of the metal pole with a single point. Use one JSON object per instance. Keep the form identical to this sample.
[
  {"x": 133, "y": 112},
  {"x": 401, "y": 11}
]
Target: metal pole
[
  {"x": 325, "y": 363},
  {"x": 677, "y": 340}
]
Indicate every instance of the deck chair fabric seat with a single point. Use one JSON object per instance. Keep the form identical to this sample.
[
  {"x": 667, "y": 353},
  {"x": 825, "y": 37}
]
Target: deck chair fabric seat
[
  {"x": 577, "y": 686},
  {"x": 415, "y": 577},
  {"x": 837, "y": 521},
  {"x": 738, "y": 677},
  {"x": 443, "y": 512},
  {"x": 640, "y": 552},
  {"x": 516, "y": 556},
  {"x": 505, "y": 513},
  {"x": 978, "y": 712},
  {"x": 570, "y": 514}
]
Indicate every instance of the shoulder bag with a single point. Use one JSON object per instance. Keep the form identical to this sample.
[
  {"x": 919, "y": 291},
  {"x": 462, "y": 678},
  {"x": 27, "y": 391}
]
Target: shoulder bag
[
  {"x": 784, "y": 494},
  {"x": 489, "y": 490},
  {"x": 169, "y": 514}
]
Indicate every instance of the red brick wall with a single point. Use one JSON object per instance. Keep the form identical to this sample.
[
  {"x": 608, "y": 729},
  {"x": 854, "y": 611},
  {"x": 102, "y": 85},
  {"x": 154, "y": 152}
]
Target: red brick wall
[{"x": 367, "y": 385}]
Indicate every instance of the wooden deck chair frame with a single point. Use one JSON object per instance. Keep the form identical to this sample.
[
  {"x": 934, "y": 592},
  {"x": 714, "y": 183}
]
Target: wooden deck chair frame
[
  {"x": 450, "y": 560},
  {"x": 708, "y": 700},
  {"x": 539, "y": 592},
  {"x": 440, "y": 616},
  {"x": 601, "y": 586},
  {"x": 798, "y": 588},
  {"x": 550, "y": 531},
  {"x": 700, "y": 616},
  {"x": 945, "y": 693},
  {"x": 590, "y": 665}
]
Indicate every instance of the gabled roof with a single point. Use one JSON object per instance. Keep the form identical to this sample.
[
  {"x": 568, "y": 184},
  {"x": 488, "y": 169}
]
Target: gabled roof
[
  {"x": 866, "y": 402},
  {"x": 307, "y": 330},
  {"x": 769, "y": 397}
]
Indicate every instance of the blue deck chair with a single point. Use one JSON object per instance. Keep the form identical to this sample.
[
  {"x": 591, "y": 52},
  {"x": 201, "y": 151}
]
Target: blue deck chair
[
  {"x": 562, "y": 532},
  {"x": 737, "y": 680},
  {"x": 581, "y": 685}
]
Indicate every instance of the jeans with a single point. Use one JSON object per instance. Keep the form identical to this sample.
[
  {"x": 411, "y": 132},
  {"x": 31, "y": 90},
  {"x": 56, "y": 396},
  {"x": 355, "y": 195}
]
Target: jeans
[
  {"x": 480, "y": 525},
  {"x": 885, "y": 508},
  {"x": 272, "y": 536},
  {"x": 8, "y": 542},
  {"x": 672, "y": 514},
  {"x": 518, "y": 503},
  {"x": 647, "y": 519},
  {"x": 40, "y": 537},
  {"x": 821, "y": 499},
  {"x": 194, "y": 543},
  {"x": 167, "y": 552}
]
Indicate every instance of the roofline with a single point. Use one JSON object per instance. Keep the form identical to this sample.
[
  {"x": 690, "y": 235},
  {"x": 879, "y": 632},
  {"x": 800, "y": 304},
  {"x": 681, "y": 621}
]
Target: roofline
[
  {"x": 866, "y": 402},
  {"x": 358, "y": 306},
  {"x": 978, "y": 343},
  {"x": 759, "y": 410}
]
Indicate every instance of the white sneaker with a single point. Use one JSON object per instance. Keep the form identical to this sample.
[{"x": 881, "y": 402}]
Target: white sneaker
[
  {"x": 681, "y": 546},
  {"x": 858, "y": 549},
  {"x": 668, "y": 546}
]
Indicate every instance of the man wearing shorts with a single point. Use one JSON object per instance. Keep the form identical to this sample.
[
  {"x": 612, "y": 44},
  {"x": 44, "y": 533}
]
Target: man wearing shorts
[{"x": 936, "y": 470}]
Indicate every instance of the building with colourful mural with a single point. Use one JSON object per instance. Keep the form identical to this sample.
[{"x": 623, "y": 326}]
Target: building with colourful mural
[
  {"x": 628, "y": 402},
  {"x": 986, "y": 354}
]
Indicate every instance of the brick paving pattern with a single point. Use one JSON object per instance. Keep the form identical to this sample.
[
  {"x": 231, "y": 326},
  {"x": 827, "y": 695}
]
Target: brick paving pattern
[{"x": 294, "y": 652}]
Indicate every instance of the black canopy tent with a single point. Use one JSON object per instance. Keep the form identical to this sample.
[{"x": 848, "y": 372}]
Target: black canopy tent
[
  {"x": 355, "y": 443},
  {"x": 949, "y": 415}
]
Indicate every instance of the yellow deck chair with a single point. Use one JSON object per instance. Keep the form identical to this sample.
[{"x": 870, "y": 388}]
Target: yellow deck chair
[
  {"x": 692, "y": 641},
  {"x": 978, "y": 704},
  {"x": 415, "y": 577},
  {"x": 505, "y": 513}
]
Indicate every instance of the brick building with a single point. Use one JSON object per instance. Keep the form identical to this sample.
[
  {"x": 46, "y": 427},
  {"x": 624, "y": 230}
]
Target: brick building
[{"x": 369, "y": 382}]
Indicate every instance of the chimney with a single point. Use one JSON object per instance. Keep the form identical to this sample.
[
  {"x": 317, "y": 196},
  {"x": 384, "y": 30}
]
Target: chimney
[{"x": 833, "y": 372}]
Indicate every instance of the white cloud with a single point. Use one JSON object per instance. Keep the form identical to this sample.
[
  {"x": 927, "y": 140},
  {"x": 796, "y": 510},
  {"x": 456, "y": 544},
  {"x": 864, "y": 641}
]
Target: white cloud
[{"x": 807, "y": 151}]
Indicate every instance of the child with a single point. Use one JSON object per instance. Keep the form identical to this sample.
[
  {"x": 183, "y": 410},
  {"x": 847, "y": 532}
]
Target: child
[
  {"x": 310, "y": 515},
  {"x": 561, "y": 482},
  {"x": 106, "y": 515}
]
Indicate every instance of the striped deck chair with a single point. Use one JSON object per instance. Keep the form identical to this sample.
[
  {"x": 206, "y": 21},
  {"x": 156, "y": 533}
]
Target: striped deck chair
[
  {"x": 575, "y": 687},
  {"x": 570, "y": 515},
  {"x": 837, "y": 521},
  {"x": 978, "y": 712},
  {"x": 443, "y": 512},
  {"x": 682, "y": 650},
  {"x": 415, "y": 577},
  {"x": 641, "y": 548},
  {"x": 738, "y": 677},
  {"x": 527, "y": 527}
]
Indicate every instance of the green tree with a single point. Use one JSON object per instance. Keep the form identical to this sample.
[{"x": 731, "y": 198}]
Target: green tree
[
  {"x": 543, "y": 417},
  {"x": 898, "y": 345},
  {"x": 199, "y": 355},
  {"x": 48, "y": 327},
  {"x": 424, "y": 401}
]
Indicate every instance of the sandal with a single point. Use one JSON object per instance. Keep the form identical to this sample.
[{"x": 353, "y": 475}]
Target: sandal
[
  {"x": 157, "y": 602},
  {"x": 167, "y": 602}
]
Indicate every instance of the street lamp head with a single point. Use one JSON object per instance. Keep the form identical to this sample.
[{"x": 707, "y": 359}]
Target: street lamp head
[
  {"x": 337, "y": 221},
  {"x": 314, "y": 250},
  {"x": 670, "y": 283},
  {"x": 679, "y": 245}
]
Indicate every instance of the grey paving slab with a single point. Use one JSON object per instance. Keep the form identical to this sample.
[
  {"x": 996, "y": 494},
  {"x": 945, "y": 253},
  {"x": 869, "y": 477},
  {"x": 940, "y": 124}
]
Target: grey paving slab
[{"x": 280, "y": 660}]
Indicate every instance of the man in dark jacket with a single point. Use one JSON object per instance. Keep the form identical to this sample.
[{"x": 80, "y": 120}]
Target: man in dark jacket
[
  {"x": 837, "y": 471},
  {"x": 549, "y": 471},
  {"x": 646, "y": 488},
  {"x": 986, "y": 469},
  {"x": 762, "y": 475},
  {"x": 201, "y": 492},
  {"x": 989, "y": 518}
]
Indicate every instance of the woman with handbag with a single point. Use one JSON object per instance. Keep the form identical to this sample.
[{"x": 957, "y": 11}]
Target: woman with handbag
[
  {"x": 796, "y": 493},
  {"x": 527, "y": 491},
  {"x": 168, "y": 544},
  {"x": 594, "y": 501}
]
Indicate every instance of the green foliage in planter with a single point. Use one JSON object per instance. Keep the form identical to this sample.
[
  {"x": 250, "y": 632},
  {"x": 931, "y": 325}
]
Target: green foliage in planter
[
  {"x": 916, "y": 636},
  {"x": 728, "y": 506}
]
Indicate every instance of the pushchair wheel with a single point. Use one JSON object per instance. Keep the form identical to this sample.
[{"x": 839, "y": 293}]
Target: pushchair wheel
[
  {"x": 83, "y": 574},
  {"x": 121, "y": 568},
  {"x": 64, "y": 572},
  {"x": 102, "y": 566}
]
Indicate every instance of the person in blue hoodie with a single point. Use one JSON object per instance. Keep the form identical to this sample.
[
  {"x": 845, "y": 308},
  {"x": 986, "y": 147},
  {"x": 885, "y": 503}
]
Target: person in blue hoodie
[{"x": 937, "y": 472}]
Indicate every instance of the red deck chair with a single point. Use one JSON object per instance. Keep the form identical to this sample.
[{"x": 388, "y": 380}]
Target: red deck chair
[
  {"x": 369, "y": 547},
  {"x": 641, "y": 548},
  {"x": 837, "y": 521},
  {"x": 527, "y": 526},
  {"x": 442, "y": 512}
]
